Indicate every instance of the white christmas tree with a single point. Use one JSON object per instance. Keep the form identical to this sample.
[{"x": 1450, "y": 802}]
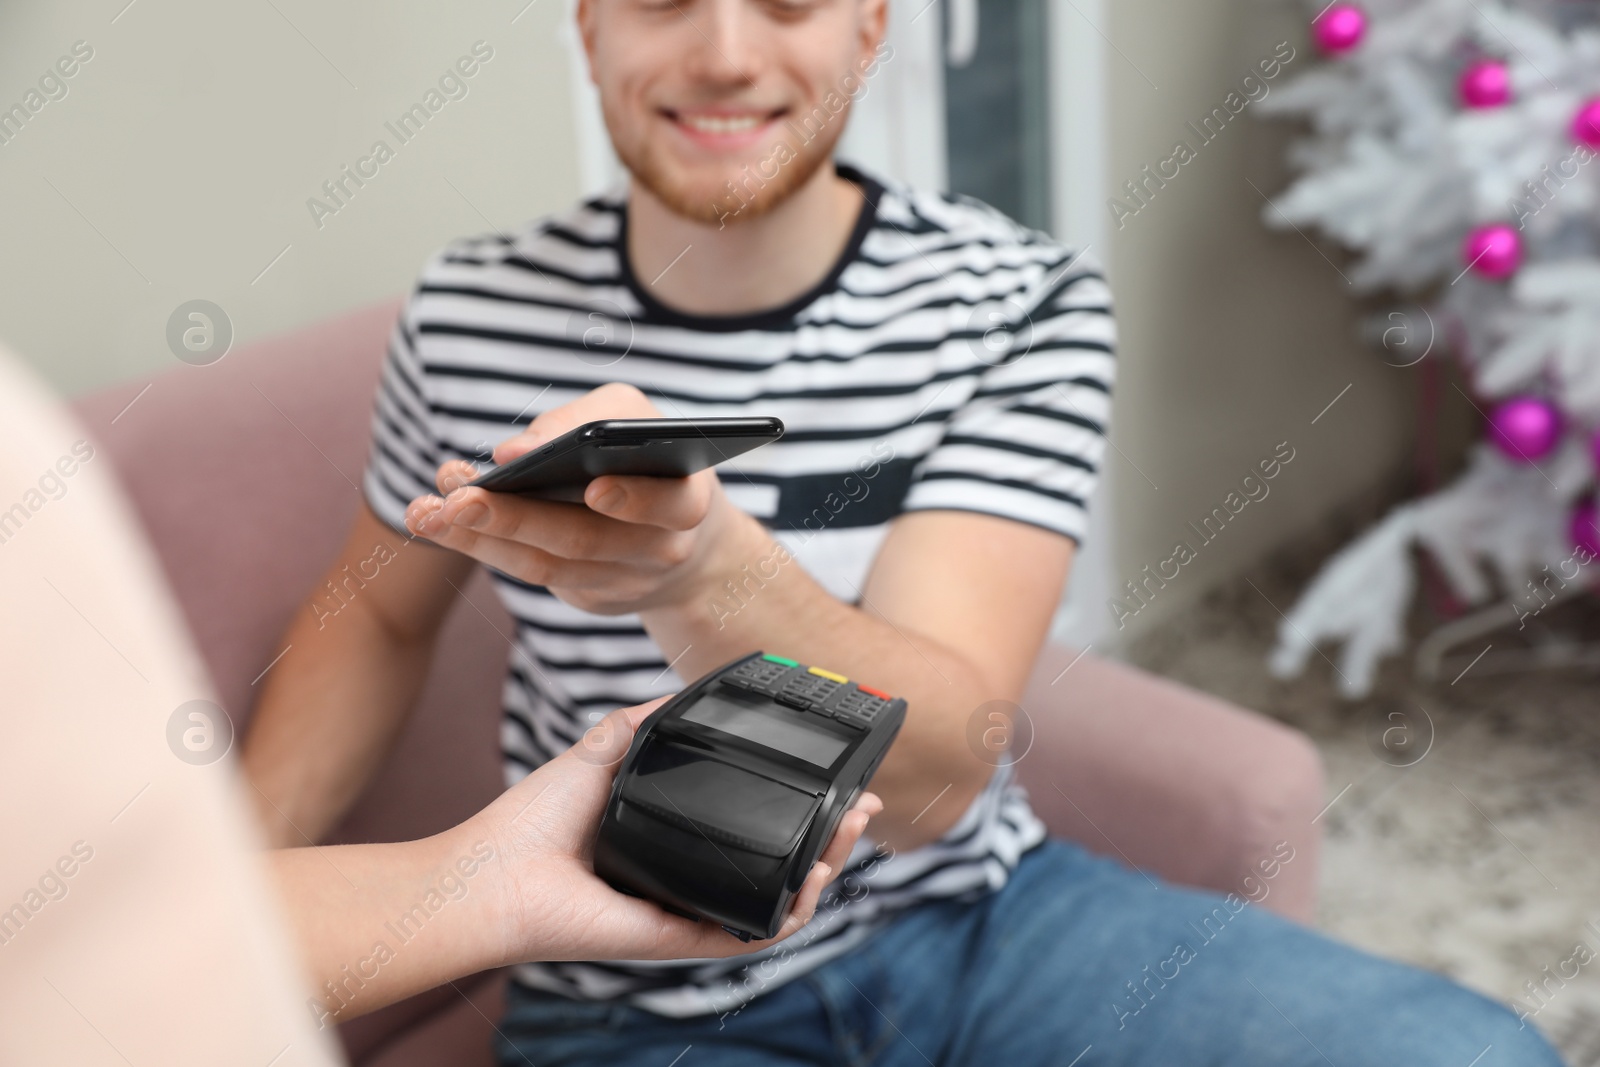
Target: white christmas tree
[{"x": 1453, "y": 149}]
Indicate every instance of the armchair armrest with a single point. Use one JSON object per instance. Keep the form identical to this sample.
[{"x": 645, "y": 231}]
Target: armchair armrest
[{"x": 1173, "y": 781}]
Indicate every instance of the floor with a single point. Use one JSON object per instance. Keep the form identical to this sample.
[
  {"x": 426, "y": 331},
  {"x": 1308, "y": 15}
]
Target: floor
[{"x": 1477, "y": 854}]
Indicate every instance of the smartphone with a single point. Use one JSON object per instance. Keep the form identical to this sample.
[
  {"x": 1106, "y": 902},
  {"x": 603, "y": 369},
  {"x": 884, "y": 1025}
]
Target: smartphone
[{"x": 661, "y": 448}]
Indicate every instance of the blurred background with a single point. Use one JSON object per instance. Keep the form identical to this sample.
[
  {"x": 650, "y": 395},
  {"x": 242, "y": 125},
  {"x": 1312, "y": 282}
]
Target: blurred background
[{"x": 180, "y": 162}]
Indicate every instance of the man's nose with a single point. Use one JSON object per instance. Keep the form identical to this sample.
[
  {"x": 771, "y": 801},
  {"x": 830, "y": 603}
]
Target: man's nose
[{"x": 727, "y": 33}]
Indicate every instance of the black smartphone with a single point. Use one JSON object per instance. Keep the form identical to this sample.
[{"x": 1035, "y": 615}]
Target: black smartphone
[{"x": 662, "y": 448}]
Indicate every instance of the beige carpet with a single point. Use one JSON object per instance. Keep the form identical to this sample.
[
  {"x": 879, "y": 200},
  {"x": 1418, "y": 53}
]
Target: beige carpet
[{"x": 1481, "y": 859}]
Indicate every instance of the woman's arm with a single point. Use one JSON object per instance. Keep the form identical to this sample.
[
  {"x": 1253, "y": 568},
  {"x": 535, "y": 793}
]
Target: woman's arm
[{"x": 515, "y": 883}]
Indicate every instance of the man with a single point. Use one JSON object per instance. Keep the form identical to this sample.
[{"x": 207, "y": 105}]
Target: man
[{"x": 944, "y": 375}]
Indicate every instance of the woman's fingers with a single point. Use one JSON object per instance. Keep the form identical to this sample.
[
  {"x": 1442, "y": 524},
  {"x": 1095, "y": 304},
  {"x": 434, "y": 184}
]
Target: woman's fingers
[
  {"x": 606, "y": 742},
  {"x": 805, "y": 901},
  {"x": 837, "y": 852},
  {"x": 572, "y": 791},
  {"x": 679, "y": 938},
  {"x": 833, "y": 859}
]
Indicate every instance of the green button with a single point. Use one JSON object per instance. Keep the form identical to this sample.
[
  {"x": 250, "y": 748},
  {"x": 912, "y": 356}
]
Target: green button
[{"x": 780, "y": 659}]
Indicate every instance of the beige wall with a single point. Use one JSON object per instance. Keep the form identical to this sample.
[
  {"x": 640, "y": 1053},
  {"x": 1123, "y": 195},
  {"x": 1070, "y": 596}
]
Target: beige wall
[
  {"x": 1234, "y": 337},
  {"x": 189, "y": 144}
]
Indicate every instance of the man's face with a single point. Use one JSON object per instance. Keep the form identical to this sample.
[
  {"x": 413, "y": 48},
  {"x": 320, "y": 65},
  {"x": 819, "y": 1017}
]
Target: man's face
[{"x": 722, "y": 108}]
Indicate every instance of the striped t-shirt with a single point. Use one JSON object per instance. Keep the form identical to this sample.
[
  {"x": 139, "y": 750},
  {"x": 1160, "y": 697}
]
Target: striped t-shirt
[{"x": 951, "y": 359}]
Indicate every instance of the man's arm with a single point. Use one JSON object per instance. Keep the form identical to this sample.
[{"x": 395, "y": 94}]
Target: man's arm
[
  {"x": 334, "y": 704},
  {"x": 951, "y": 617}
]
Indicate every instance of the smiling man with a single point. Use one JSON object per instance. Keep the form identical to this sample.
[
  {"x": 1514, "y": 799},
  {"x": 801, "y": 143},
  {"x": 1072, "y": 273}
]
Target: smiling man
[{"x": 945, "y": 375}]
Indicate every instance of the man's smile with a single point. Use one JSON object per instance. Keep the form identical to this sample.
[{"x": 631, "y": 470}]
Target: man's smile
[{"x": 722, "y": 128}]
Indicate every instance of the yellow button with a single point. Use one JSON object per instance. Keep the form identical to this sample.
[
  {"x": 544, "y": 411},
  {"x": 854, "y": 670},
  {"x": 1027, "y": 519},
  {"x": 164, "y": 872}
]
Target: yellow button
[{"x": 828, "y": 675}]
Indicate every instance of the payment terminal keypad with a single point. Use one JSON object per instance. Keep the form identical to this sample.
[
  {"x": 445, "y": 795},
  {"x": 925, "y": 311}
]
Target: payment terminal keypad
[
  {"x": 758, "y": 675},
  {"x": 810, "y": 689},
  {"x": 859, "y": 709},
  {"x": 808, "y": 692}
]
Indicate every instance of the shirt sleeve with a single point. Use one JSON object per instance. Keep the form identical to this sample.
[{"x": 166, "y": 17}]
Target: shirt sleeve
[
  {"x": 1029, "y": 442},
  {"x": 405, "y": 449}
]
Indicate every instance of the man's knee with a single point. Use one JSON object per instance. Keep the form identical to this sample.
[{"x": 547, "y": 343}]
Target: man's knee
[
  {"x": 1486, "y": 1029},
  {"x": 1515, "y": 1040}
]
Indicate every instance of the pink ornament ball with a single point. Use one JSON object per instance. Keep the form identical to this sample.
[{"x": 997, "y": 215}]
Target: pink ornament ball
[
  {"x": 1487, "y": 83},
  {"x": 1586, "y": 123},
  {"x": 1525, "y": 428},
  {"x": 1493, "y": 251},
  {"x": 1584, "y": 528},
  {"x": 1339, "y": 28}
]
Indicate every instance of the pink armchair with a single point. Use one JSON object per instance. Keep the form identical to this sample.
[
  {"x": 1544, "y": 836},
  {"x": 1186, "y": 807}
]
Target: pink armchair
[{"x": 246, "y": 473}]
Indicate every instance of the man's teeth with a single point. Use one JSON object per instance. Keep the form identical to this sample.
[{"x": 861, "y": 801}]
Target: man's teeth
[{"x": 722, "y": 124}]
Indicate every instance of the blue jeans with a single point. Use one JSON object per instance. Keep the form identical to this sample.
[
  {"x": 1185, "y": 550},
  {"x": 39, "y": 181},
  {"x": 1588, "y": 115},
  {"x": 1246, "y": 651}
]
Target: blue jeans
[{"x": 1077, "y": 961}]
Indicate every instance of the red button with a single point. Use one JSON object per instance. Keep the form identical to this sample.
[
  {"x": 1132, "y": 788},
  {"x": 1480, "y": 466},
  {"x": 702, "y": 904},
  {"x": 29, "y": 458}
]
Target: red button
[{"x": 874, "y": 692}]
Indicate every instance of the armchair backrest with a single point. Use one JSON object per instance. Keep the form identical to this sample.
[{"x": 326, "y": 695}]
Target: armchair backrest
[{"x": 246, "y": 474}]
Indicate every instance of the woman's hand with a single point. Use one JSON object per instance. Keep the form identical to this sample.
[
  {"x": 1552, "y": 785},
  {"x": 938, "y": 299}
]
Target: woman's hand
[
  {"x": 553, "y": 906},
  {"x": 634, "y": 543},
  {"x": 512, "y": 884}
]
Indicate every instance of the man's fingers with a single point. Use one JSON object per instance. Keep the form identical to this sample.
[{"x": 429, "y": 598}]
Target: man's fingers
[
  {"x": 453, "y": 475},
  {"x": 566, "y": 531},
  {"x": 530, "y": 564},
  {"x": 512, "y": 447},
  {"x": 670, "y": 503},
  {"x": 613, "y": 400},
  {"x": 420, "y": 512},
  {"x": 546, "y": 427}
]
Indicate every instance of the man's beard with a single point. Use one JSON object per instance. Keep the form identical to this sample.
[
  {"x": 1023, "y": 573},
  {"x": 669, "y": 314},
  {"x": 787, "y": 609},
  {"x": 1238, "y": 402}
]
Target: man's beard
[{"x": 748, "y": 193}]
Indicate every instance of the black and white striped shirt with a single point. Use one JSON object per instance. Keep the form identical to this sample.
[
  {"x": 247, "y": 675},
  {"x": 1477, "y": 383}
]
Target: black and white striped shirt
[{"x": 951, "y": 359}]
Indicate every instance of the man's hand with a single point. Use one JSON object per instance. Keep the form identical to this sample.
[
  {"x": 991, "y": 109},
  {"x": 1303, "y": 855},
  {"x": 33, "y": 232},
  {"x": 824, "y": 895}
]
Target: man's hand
[{"x": 635, "y": 543}]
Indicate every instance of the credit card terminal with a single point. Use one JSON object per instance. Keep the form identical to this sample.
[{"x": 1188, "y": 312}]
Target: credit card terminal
[{"x": 733, "y": 787}]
